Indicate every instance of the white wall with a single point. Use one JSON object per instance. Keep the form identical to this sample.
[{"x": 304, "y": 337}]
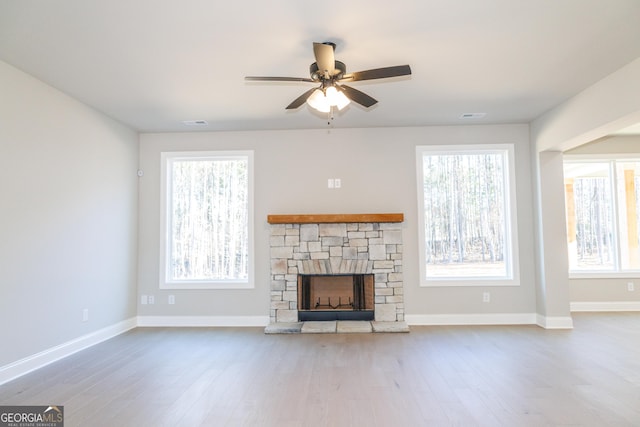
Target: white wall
[
  {"x": 68, "y": 218},
  {"x": 377, "y": 168}
]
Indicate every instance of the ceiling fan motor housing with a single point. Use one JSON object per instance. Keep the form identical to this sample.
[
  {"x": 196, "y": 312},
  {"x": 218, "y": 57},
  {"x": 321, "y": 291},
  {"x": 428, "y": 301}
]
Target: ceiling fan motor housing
[{"x": 339, "y": 70}]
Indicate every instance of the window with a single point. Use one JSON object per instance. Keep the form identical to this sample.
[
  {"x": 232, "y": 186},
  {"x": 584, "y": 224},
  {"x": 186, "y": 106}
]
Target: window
[
  {"x": 602, "y": 210},
  {"x": 467, "y": 214},
  {"x": 207, "y": 220}
]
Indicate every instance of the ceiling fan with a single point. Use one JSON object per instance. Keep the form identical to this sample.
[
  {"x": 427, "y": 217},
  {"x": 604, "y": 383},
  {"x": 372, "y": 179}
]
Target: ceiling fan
[{"x": 331, "y": 74}]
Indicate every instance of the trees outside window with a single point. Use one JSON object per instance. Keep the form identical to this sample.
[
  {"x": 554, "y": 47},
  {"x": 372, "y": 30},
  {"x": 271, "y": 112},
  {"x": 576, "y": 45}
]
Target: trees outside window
[
  {"x": 466, "y": 216},
  {"x": 602, "y": 198},
  {"x": 207, "y": 220}
]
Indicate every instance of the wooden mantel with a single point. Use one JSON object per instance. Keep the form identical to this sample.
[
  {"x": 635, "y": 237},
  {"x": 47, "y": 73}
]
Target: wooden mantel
[{"x": 334, "y": 218}]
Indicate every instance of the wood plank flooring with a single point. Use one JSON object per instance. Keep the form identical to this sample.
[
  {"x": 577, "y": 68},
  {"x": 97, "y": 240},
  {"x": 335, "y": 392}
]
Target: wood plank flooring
[{"x": 433, "y": 376}]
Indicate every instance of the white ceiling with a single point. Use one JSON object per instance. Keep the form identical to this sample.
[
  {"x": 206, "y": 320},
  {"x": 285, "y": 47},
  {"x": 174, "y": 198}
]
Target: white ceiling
[{"x": 152, "y": 64}]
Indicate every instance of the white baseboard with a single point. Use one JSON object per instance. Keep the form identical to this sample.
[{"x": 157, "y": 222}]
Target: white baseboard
[
  {"x": 202, "y": 321},
  {"x": 605, "y": 306},
  {"x": 554, "y": 322},
  {"x": 43, "y": 358},
  {"x": 472, "y": 319}
]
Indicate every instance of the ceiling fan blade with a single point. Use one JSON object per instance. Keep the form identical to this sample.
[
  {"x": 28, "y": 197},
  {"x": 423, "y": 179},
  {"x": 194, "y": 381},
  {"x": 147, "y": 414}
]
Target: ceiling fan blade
[
  {"x": 300, "y": 100},
  {"x": 356, "y": 96},
  {"x": 324, "y": 57},
  {"x": 378, "y": 73},
  {"x": 277, "y": 79}
]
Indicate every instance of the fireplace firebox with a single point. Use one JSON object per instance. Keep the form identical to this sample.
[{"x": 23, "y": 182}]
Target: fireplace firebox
[{"x": 335, "y": 297}]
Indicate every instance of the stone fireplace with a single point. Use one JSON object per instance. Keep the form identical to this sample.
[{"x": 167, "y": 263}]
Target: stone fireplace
[{"x": 363, "y": 248}]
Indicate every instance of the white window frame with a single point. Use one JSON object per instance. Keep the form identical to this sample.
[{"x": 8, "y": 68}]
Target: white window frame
[
  {"x": 617, "y": 271},
  {"x": 512, "y": 277},
  {"x": 165, "y": 203}
]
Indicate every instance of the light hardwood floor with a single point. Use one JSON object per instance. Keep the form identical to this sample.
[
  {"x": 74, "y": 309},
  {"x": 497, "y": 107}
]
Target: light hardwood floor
[{"x": 433, "y": 376}]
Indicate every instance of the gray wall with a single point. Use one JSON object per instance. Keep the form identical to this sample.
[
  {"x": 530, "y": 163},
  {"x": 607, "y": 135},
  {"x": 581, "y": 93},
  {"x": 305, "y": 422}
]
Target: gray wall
[
  {"x": 68, "y": 212},
  {"x": 621, "y": 144},
  {"x": 378, "y": 172},
  {"x": 609, "y": 289},
  {"x": 69, "y": 221},
  {"x": 606, "y": 107}
]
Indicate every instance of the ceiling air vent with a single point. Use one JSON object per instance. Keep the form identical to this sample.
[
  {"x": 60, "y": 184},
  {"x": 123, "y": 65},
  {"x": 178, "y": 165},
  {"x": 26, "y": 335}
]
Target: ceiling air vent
[
  {"x": 195, "y": 122},
  {"x": 472, "y": 115}
]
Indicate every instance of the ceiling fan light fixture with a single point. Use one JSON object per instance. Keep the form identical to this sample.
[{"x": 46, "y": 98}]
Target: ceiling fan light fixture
[
  {"x": 318, "y": 101},
  {"x": 330, "y": 97},
  {"x": 336, "y": 97}
]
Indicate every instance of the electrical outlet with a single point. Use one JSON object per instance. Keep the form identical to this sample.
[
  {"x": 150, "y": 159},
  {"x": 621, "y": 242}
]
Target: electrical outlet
[
  {"x": 486, "y": 297},
  {"x": 334, "y": 183},
  {"x": 144, "y": 300},
  {"x": 172, "y": 299},
  {"x": 85, "y": 314},
  {"x": 630, "y": 286},
  {"x": 151, "y": 299}
]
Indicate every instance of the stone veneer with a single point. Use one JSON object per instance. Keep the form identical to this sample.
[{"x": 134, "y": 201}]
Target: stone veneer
[{"x": 337, "y": 248}]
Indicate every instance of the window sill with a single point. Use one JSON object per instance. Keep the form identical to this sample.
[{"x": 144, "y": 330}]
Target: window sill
[
  {"x": 470, "y": 282},
  {"x": 206, "y": 285},
  {"x": 605, "y": 275}
]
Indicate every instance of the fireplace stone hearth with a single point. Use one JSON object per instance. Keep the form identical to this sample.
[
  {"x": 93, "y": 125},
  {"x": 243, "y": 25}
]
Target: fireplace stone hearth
[{"x": 337, "y": 248}]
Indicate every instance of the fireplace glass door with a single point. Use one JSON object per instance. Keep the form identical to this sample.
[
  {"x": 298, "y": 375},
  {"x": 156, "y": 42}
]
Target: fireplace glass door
[{"x": 335, "y": 297}]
